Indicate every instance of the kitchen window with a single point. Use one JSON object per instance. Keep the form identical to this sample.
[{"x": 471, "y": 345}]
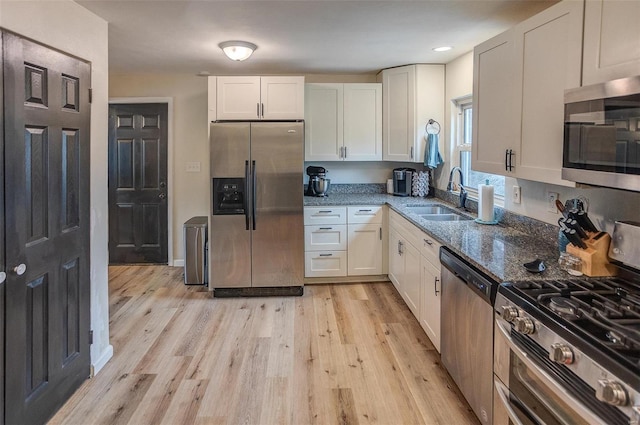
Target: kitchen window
[{"x": 463, "y": 139}]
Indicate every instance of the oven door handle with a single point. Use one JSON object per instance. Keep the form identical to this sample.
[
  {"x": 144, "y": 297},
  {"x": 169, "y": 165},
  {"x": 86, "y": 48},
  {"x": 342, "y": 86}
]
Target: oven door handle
[
  {"x": 560, "y": 391},
  {"x": 503, "y": 393}
]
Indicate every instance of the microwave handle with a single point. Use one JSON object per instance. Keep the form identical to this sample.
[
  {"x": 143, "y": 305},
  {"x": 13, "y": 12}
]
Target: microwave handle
[
  {"x": 503, "y": 391},
  {"x": 547, "y": 380}
]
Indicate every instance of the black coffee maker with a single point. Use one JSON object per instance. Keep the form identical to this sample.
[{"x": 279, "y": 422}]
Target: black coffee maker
[
  {"x": 402, "y": 178},
  {"x": 315, "y": 175}
]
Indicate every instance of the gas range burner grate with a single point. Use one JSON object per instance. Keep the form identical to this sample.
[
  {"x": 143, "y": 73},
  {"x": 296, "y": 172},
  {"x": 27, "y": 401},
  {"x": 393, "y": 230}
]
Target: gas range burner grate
[{"x": 608, "y": 309}]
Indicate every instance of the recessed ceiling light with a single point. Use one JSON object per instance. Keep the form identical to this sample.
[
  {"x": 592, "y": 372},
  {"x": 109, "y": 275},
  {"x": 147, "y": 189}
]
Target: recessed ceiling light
[{"x": 442, "y": 49}]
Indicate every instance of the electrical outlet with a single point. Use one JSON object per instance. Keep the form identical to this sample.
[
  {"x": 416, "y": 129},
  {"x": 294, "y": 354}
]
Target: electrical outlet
[
  {"x": 552, "y": 197},
  {"x": 516, "y": 195},
  {"x": 193, "y": 167}
]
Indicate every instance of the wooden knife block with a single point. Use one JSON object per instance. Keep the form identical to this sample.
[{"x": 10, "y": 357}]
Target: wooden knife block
[{"x": 595, "y": 259}]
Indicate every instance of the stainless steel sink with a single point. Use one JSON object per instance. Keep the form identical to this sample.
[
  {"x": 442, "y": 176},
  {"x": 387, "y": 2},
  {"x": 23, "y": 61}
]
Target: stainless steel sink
[
  {"x": 436, "y": 213},
  {"x": 429, "y": 209},
  {"x": 443, "y": 217}
]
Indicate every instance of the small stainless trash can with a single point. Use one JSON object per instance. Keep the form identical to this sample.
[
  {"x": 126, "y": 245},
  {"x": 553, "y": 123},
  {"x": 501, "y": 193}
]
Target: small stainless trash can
[{"x": 195, "y": 251}]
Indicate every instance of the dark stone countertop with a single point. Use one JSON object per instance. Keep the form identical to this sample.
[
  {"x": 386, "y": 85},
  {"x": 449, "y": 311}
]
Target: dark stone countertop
[{"x": 497, "y": 250}]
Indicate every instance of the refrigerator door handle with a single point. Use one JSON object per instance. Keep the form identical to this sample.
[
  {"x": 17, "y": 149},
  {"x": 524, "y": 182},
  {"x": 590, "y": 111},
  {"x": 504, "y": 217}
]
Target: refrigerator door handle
[
  {"x": 246, "y": 191},
  {"x": 253, "y": 195}
]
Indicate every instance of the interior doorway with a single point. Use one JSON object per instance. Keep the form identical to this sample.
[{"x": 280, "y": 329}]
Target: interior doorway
[{"x": 139, "y": 187}]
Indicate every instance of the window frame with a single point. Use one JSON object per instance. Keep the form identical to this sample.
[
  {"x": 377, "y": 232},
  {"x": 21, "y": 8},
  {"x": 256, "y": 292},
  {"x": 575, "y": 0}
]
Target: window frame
[{"x": 459, "y": 106}]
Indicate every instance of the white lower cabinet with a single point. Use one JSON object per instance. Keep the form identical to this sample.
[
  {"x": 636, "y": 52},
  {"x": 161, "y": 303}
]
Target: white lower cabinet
[
  {"x": 343, "y": 241},
  {"x": 430, "y": 296},
  {"x": 414, "y": 270},
  {"x": 365, "y": 249},
  {"x": 404, "y": 260}
]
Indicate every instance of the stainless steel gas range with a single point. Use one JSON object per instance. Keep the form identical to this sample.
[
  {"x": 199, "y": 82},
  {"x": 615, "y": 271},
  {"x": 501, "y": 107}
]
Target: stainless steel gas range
[{"x": 568, "y": 351}]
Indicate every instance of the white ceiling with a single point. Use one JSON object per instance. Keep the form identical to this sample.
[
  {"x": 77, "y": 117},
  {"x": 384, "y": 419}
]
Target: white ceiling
[{"x": 299, "y": 36}]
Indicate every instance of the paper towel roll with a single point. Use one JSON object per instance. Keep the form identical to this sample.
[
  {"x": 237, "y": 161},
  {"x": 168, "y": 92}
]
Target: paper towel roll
[{"x": 485, "y": 202}]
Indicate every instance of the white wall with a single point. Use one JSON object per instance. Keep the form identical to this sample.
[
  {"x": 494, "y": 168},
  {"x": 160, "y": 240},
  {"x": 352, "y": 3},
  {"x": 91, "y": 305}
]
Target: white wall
[
  {"x": 458, "y": 83},
  {"x": 190, "y": 143},
  {"x": 68, "y": 27},
  {"x": 345, "y": 172},
  {"x": 605, "y": 205}
]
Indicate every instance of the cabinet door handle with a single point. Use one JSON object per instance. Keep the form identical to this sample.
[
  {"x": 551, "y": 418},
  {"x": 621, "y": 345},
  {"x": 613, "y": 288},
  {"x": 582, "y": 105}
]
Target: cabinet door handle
[
  {"x": 326, "y": 255},
  {"x": 506, "y": 160},
  {"x": 364, "y": 210},
  {"x": 400, "y": 245},
  {"x": 258, "y": 109},
  {"x": 428, "y": 242},
  {"x": 326, "y": 228},
  {"x": 325, "y": 212},
  {"x": 411, "y": 155},
  {"x": 345, "y": 152},
  {"x": 435, "y": 286},
  {"x": 262, "y": 104},
  {"x": 381, "y": 233}
]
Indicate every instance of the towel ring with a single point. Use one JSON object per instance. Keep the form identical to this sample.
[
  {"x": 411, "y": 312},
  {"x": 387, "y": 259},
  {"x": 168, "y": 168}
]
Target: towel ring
[{"x": 432, "y": 127}]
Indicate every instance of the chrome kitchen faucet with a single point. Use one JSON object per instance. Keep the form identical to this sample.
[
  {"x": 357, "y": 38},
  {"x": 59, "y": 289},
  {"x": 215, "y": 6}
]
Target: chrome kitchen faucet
[{"x": 463, "y": 193}]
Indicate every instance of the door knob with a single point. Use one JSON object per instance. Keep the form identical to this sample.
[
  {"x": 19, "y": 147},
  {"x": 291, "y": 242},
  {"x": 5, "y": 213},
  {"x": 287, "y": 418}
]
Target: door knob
[
  {"x": 20, "y": 269},
  {"x": 3, "y": 277},
  {"x": 162, "y": 195}
]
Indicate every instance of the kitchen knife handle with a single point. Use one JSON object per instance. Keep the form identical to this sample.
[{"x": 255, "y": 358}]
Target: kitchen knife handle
[
  {"x": 579, "y": 230},
  {"x": 253, "y": 204},
  {"x": 587, "y": 221},
  {"x": 246, "y": 192}
]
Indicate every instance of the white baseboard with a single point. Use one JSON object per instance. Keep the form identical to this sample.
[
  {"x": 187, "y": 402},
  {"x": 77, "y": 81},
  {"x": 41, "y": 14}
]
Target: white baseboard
[
  {"x": 104, "y": 358},
  {"x": 178, "y": 263}
]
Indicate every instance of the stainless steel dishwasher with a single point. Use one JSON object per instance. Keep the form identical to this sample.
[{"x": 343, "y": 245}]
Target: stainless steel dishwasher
[{"x": 467, "y": 331}]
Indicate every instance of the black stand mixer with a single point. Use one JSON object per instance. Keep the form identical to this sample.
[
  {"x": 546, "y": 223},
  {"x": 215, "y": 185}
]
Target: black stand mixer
[{"x": 318, "y": 183}]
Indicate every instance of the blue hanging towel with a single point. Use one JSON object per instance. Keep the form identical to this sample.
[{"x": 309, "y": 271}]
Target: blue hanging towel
[{"x": 432, "y": 157}]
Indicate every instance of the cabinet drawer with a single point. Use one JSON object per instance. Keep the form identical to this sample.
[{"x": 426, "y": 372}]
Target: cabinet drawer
[
  {"x": 325, "y": 237},
  {"x": 406, "y": 229},
  {"x": 364, "y": 215},
  {"x": 328, "y": 215},
  {"x": 325, "y": 263},
  {"x": 430, "y": 249}
]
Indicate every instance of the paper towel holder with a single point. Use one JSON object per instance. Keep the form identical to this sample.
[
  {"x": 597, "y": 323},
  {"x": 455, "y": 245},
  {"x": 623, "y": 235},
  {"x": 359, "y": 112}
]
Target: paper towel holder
[{"x": 432, "y": 127}]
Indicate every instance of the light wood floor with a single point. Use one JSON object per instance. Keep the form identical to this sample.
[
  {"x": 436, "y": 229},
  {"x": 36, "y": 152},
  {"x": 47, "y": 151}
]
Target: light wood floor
[{"x": 340, "y": 354}]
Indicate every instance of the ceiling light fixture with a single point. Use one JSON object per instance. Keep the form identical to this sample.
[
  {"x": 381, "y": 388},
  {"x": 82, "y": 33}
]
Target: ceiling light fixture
[
  {"x": 442, "y": 49},
  {"x": 237, "y": 50}
]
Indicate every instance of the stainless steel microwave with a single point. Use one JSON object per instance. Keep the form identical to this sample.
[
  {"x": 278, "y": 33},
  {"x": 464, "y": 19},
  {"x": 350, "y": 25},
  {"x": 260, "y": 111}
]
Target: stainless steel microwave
[{"x": 602, "y": 134}]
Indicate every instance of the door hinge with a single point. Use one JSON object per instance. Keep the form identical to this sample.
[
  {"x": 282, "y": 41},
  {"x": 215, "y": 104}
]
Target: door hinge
[
  {"x": 90, "y": 95},
  {"x": 90, "y": 337}
]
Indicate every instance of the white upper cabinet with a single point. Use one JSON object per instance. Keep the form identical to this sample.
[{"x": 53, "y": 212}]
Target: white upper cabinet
[
  {"x": 548, "y": 48},
  {"x": 323, "y": 122},
  {"x": 282, "y": 97},
  {"x": 362, "y": 122},
  {"x": 343, "y": 122},
  {"x": 494, "y": 114},
  {"x": 611, "y": 40},
  {"x": 519, "y": 82},
  {"x": 411, "y": 95},
  {"x": 260, "y": 98}
]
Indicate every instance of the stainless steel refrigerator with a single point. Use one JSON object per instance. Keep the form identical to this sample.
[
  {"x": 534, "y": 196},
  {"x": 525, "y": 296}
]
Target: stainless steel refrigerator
[{"x": 257, "y": 230}]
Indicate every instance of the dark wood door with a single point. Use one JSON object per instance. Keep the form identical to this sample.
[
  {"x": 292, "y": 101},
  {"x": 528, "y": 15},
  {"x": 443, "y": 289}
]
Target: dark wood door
[
  {"x": 46, "y": 123},
  {"x": 138, "y": 183},
  {"x": 3, "y": 275}
]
